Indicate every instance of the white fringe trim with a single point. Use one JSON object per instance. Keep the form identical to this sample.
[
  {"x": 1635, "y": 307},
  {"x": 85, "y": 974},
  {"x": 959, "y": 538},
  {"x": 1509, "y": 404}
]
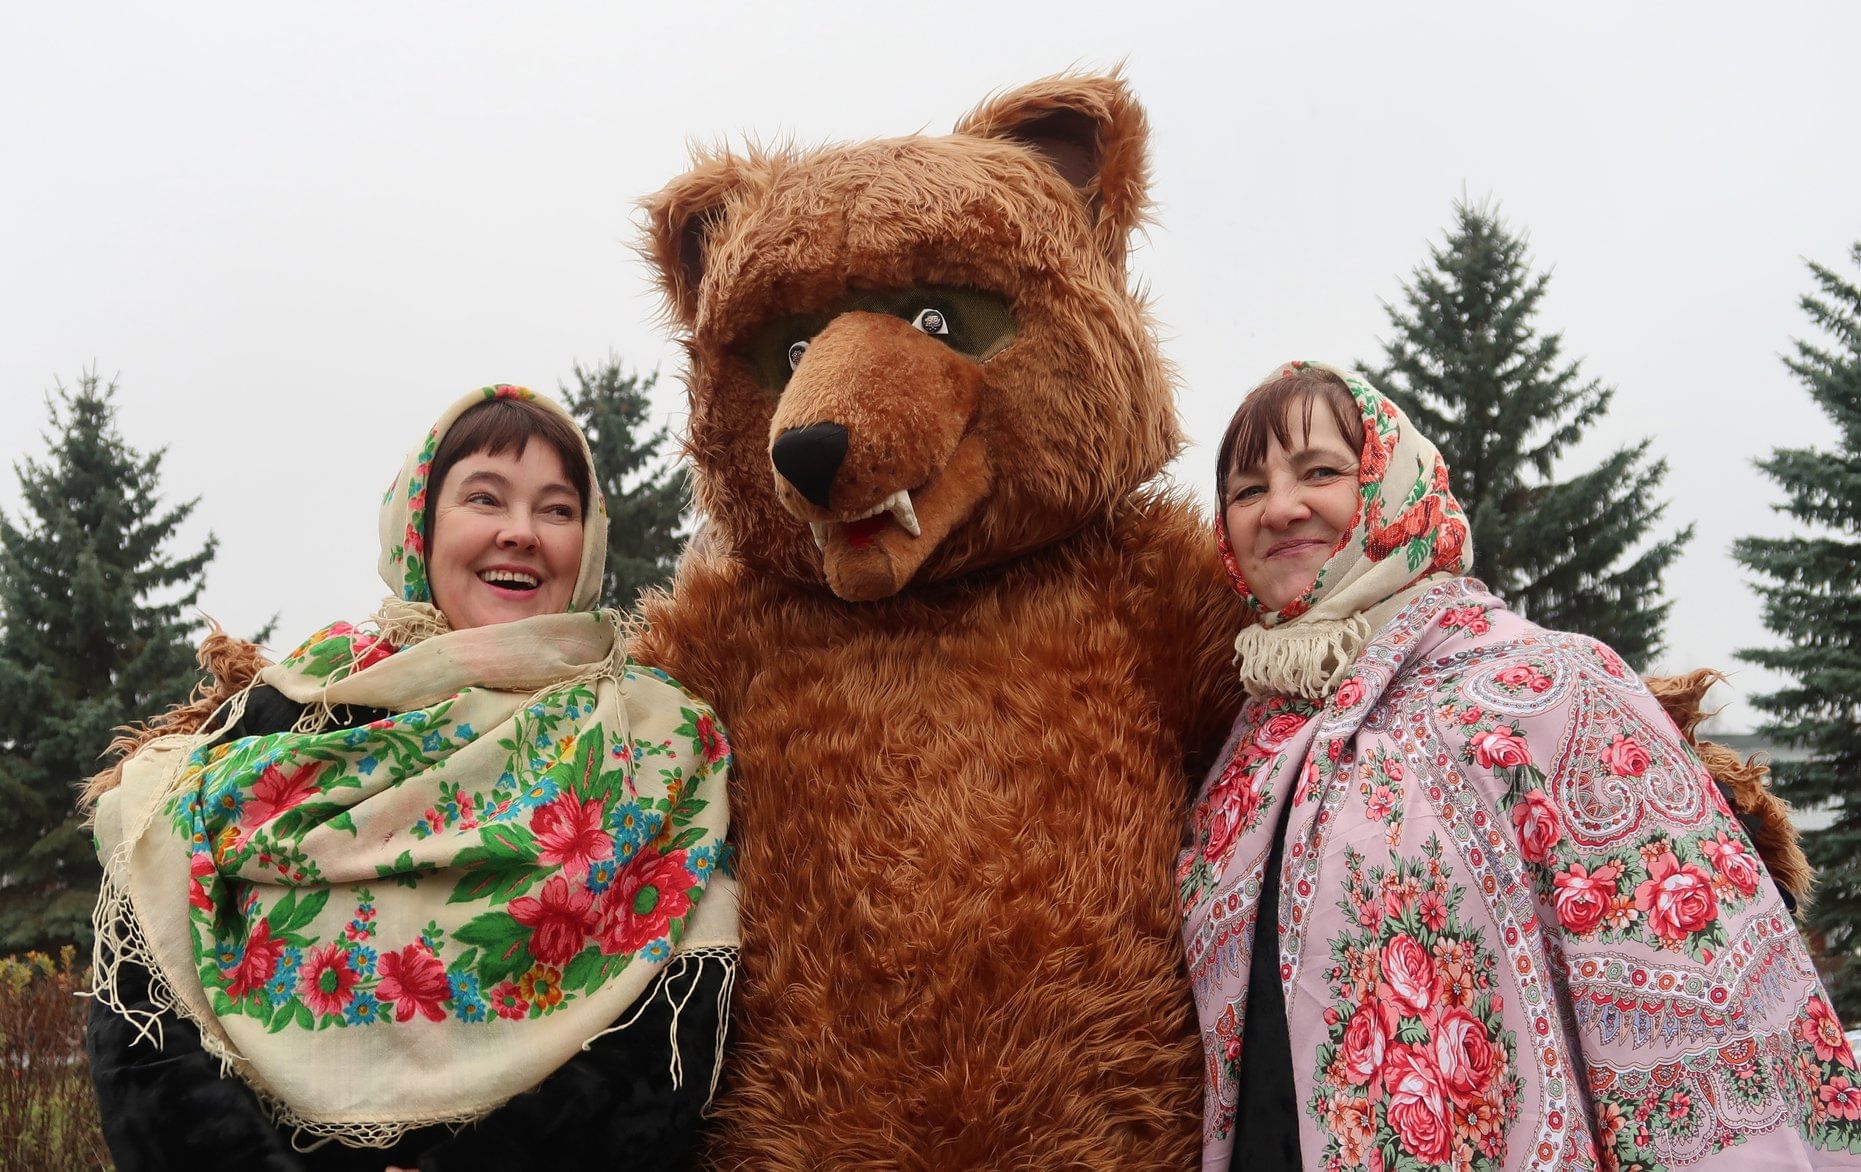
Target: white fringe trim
[
  {"x": 120, "y": 939},
  {"x": 726, "y": 957},
  {"x": 404, "y": 623},
  {"x": 1308, "y": 658}
]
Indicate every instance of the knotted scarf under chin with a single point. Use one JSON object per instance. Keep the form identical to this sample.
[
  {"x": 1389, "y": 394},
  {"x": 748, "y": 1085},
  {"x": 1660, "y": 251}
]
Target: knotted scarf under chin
[
  {"x": 1307, "y": 659},
  {"x": 404, "y": 623}
]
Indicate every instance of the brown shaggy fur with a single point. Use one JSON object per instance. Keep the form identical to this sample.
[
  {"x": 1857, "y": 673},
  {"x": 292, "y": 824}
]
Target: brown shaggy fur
[
  {"x": 230, "y": 664},
  {"x": 960, "y": 758},
  {"x": 1766, "y": 814}
]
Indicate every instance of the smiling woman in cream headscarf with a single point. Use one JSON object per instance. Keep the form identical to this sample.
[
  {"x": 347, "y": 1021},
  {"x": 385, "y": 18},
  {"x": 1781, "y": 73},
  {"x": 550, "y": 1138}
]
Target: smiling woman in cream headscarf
[
  {"x": 414, "y": 872},
  {"x": 1457, "y": 894}
]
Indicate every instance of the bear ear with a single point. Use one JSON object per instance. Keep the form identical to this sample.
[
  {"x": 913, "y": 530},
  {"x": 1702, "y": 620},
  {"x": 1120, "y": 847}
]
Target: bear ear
[
  {"x": 681, "y": 219},
  {"x": 1093, "y": 132}
]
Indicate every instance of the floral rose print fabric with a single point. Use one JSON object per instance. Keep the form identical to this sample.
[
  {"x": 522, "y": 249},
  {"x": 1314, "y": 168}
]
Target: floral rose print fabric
[
  {"x": 1519, "y": 926},
  {"x": 586, "y": 852},
  {"x": 358, "y": 917}
]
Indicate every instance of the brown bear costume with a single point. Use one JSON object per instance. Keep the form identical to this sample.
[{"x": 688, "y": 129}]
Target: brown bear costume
[{"x": 962, "y": 642}]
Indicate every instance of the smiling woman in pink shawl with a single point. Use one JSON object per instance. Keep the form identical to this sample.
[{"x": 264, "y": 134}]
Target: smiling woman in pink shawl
[{"x": 1510, "y": 921}]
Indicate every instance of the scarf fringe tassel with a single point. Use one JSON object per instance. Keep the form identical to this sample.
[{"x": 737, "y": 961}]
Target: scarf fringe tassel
[
  {"x": 1308, "y": 659},
  {"x": 119, "y": 940}
]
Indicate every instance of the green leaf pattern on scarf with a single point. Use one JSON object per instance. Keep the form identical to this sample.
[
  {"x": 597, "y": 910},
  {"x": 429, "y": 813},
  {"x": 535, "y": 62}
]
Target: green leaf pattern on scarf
[{"x": 579, "y": 869}]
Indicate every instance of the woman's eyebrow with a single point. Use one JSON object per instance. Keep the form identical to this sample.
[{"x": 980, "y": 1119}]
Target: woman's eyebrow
[
  {"x": 1328, "y": 455},
  {"x": 498, "y": 480},
  {"x": 495, "y": 479}
]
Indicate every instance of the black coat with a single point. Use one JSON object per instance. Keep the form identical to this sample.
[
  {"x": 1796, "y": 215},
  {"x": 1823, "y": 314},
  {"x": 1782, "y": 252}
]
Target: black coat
[{"x": 612, "y": 1105}]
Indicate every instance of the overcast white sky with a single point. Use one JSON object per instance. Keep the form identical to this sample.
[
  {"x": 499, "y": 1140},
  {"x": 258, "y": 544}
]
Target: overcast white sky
[{"x": 294, "y": 233}]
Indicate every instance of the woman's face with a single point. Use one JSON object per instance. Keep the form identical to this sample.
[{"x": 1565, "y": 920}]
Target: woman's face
[
  {"x": 506, "y": 538},
  {"x": 1286, "y": 514}
]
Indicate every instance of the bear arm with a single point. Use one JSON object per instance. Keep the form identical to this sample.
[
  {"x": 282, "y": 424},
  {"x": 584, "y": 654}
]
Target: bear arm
[
  {"x": 1188, "y": 615},
  {"x": 692, "y": 634}
]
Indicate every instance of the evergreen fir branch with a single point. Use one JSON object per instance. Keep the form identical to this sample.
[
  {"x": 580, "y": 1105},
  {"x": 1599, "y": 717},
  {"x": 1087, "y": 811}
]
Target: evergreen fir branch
[
  {"x": 646, "y": 500},
  {"x": 1468, "y": 364},
  {"x": 92, "y": 635},
  {"x": 1809, "y": 585}
]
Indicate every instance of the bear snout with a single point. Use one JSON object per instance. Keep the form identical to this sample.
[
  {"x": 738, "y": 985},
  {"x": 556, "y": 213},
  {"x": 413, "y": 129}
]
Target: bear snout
[{"x": 809, "y": 458}]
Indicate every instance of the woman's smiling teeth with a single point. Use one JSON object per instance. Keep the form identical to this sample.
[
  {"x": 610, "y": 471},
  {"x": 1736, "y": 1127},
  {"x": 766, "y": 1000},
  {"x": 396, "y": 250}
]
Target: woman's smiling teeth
[{"x": 510, "y": 579}]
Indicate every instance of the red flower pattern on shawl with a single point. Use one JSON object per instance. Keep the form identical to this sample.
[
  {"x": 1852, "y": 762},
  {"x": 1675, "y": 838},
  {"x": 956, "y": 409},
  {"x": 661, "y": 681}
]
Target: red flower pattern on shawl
[
  {"x": 1408, "y": 976},
  {"x": 1366, "y": 1037},
  {"x": 329, "y": 978},
  {"x": 1583, "y": 897},
  {"x": 560, "y": 921},
  {"x": 1677, "y": 897},
  {"x": 1736, "y": 865},
  {"x": 1823, "y": 1031},
  {"x": 199, "y": 865},
  {"x": 640, "y": 907},
  {"x": 276, "y": 791},
  {"x": 711, "y": 740},
  {"x": 1465, "y": 1055},
  {"x": 1501, "y": 748},
  {"x": 415, "y": 982},
  {"x": 1418, "y": 1103},
  {"x": 257, "y": 963},
  {"x": 569, "y": 834},
  {"x": 1536, "y": 821},
  {"x": 1231, "y": 806},
  {"x": 1626, "y": 757}
]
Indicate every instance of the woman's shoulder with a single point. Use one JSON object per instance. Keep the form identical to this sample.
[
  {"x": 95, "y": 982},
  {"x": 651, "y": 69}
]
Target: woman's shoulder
[
  {"x": 1460, "y": 626},
  {"x": 1503, "y": 692}
]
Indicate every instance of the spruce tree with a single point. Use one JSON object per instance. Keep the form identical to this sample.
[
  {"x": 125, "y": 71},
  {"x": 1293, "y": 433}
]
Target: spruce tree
[
  {"x": 92, "y": 635},
  {"x": 1811, "y": 590},
  {"x": 645, "y": 501},
  {"x": 1469, "y": 367}
]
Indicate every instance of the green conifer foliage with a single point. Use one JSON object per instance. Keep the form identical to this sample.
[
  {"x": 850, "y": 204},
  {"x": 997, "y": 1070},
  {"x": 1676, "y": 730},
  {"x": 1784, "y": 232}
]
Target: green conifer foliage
[
  {"x": 1811, "y": 589},
  {"x": 92, "y": 635},
  {"x": 645, "y": 502},
  {"x": 1470, "y": 369}
]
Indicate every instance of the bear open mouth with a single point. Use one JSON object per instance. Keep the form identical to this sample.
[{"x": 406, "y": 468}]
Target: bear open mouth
[{"x": 862, "y": 530}]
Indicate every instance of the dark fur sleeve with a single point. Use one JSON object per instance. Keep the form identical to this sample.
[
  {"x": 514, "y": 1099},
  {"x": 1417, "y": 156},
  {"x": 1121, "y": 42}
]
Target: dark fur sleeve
[
  {"x": 612, "y": 1105},
  {"x": 169, "y": 1108}
]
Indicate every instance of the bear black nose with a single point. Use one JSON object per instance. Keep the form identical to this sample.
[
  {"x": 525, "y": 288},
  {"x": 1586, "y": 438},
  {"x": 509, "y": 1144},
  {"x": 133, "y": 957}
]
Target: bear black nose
[{"x": 809, "y": 458}]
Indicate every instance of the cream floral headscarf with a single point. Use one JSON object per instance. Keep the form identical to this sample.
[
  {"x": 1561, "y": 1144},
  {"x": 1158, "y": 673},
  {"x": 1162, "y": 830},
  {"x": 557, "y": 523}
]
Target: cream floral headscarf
[{"x": 1409, "y": 532}]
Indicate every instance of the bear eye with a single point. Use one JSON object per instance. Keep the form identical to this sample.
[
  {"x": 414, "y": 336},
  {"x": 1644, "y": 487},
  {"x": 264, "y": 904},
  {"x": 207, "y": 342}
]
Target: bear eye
[
  {"x": 931, "y": 321},
  {"x": 795, "y": 351}
]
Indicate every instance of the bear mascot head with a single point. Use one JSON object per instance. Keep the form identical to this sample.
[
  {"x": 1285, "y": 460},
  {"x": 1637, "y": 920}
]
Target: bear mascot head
[{"x": 916, "y": 358}]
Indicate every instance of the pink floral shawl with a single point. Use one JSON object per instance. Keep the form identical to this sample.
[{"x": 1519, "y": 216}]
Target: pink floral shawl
[{"x": 1519, "y": 926}]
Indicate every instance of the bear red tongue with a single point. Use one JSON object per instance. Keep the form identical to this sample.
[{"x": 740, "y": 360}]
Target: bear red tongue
[{"x": 865, "y": 531}]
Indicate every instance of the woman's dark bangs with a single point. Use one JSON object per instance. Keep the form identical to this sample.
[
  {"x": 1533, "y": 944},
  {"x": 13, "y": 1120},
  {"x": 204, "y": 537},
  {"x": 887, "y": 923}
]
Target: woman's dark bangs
[
  {"x": 497, "y": 426},
  {"x": 1265, "y": 413}
]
